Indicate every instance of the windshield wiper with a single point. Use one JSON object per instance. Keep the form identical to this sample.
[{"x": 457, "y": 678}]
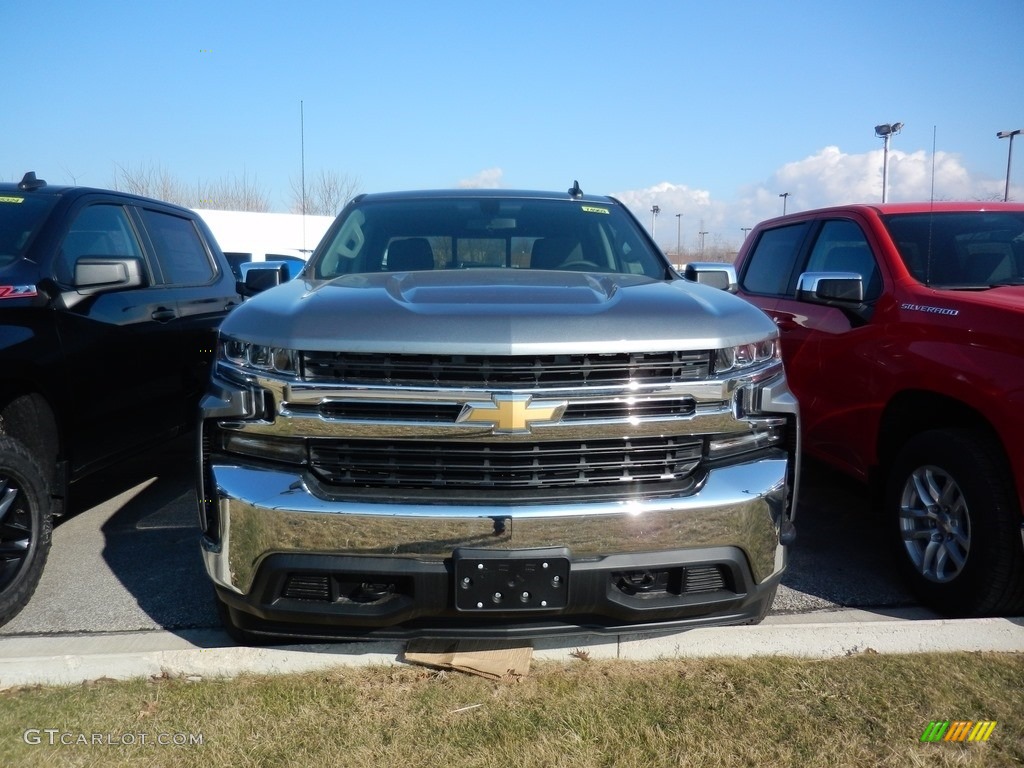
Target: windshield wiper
[{"x": 1009, "y": 281}]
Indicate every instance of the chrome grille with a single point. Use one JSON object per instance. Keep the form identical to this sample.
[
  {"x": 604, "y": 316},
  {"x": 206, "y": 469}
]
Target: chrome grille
[
  {"x": 503, "y": 466},
  {"x": 354, "y": 410},
  {"x": 588, "y": 370},
  {"x": 396, "y": 411}
]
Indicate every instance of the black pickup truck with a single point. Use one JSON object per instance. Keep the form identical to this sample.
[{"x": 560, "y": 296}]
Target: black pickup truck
[{"x": 109, "y": 304}]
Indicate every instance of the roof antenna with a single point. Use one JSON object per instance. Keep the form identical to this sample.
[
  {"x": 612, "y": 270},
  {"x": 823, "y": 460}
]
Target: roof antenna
[
  {"x": 931, "y": 215},
  {"x": 935, "y": 130},
  {"x": 30, "y": 182},
  {"x": 575, "y": 190}
]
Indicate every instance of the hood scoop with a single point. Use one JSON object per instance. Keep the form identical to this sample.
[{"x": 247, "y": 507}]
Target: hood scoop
[{"x": 501, "y": 287}]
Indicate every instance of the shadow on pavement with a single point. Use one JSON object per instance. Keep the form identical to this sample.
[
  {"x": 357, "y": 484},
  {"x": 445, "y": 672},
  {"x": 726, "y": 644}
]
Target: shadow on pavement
[
  {"x": 151, "y": 544},
  {"x": 843, "y": 552}
]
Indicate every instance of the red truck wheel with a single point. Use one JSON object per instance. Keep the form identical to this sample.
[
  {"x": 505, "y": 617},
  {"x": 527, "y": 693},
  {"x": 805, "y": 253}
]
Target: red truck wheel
[
  {"x": 26, "y": 526},
  {"x": 957, "y": 524}
]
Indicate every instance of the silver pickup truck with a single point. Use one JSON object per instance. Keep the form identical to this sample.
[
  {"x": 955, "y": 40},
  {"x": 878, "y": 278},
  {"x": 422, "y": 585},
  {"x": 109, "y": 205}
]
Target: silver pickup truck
[{"x": 484, "y": 413}]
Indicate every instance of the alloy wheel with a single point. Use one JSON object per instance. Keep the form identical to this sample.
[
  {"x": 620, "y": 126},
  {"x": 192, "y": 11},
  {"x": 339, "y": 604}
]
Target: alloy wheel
[
  {"x": 15, "y": 530},
  {"x": 935, "y": 524}
]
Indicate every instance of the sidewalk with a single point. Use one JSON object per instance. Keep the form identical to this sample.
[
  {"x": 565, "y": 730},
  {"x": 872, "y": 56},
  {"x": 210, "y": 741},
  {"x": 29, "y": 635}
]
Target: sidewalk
[{"x": 72, "y": 659}]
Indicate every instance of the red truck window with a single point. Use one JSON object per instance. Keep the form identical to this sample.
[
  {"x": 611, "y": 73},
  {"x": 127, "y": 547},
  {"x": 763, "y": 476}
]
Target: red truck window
[
  {"x": 842, "y": 247},
  {"x": 770, "y": 266}
]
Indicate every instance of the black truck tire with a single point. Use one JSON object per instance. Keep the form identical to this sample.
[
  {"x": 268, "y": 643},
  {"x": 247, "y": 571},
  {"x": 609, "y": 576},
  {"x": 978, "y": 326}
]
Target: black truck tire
[
  {"x": 952, "y": 503},
  {"x": 26, "y": 526}
]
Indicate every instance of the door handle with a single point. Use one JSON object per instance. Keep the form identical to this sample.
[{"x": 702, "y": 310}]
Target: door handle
[{"x": 163, "y": 315}]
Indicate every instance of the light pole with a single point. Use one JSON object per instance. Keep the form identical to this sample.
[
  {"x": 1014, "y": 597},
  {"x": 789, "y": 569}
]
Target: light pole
[
  {"x": 744, "y": 230},
  {"x": 702, "y": 242},
  {"x": 1009, "y": 156},
  {"x": 679, "y": 232},
  {"x": 884, "y": 132},
  {"x": 785, "y": 197},
  {"x": 655, "y": 210}
]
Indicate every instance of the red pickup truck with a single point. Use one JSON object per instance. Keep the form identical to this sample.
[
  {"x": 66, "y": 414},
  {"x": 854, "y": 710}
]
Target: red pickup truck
[{"x": 902, "y": 331}]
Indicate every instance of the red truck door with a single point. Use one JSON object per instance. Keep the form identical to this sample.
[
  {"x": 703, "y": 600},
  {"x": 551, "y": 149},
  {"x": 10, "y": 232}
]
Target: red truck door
[{"x": 829, "y": 350}]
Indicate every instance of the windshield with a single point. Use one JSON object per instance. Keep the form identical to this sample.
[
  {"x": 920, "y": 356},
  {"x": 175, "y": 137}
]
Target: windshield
[
  {"x": 971, "y": 249},
  {"x": 21, "y": 216},
  {"x": 469, "y": 233}
]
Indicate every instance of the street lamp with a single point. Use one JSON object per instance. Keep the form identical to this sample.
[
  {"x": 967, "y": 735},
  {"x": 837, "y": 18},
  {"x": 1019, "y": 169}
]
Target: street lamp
[
  {"x": 702, "y": 242},
  {"x": 679, "y": 232},
  {"x": 884, "y": 132},
  {"x": 1009, "y": 156},
  {"x": 785, "y": 197},
  {"x": 655, "y": 210},
  {"x": 744, "y": 230}
]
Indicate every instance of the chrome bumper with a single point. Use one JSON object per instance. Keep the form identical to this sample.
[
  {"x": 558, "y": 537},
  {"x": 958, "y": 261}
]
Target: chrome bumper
[{"x": 266, "y": 512}]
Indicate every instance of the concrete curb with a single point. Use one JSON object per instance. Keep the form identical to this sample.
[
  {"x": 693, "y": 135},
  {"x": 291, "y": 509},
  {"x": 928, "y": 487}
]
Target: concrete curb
[{"x": 73, "y": 659}]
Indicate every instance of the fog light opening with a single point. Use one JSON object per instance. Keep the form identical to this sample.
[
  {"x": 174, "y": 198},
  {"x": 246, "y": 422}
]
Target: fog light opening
[
  {"x": 649, "y": 583},
  {"x": 371, "y": 592}
]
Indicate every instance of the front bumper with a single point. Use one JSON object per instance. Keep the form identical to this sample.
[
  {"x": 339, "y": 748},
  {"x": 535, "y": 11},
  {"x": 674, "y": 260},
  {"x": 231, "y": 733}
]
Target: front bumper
[{"x": 287, "y": 560}]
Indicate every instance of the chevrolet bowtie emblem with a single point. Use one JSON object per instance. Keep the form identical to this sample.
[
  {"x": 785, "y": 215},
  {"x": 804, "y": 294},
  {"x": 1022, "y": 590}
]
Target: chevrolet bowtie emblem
[{"x": 513, "y": 413}]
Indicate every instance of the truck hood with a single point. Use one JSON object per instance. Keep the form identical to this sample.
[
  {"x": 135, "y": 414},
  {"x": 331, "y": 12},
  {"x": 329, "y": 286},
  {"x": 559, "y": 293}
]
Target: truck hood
[
  {"x": 1009, "y": 297},
  {"x": 998, "y": 300},
  {"x": 496, "y": 311}
]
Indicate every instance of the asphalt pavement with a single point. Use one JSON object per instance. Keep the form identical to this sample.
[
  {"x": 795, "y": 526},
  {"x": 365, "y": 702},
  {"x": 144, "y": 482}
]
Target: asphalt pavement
[{"x": 124, "y": 594}]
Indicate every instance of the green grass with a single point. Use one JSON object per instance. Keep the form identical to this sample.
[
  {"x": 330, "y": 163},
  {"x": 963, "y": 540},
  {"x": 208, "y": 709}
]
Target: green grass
[{"x": 865, "y": 710}]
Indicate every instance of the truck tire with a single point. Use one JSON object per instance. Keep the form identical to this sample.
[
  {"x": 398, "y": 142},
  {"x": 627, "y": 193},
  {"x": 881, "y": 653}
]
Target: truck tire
[
  {"x": 26, "y": 526},
  {"x": 957, "y": 524}
]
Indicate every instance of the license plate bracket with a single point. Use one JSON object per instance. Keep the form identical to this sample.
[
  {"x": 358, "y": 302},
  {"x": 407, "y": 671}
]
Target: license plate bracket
[{"x": 488, "y": 580}]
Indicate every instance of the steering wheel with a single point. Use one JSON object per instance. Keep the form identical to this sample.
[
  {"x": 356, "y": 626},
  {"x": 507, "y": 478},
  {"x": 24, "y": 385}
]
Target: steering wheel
[{"x": 581, "y": 265}]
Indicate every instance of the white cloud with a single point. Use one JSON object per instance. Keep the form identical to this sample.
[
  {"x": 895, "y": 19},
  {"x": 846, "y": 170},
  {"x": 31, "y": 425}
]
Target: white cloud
[
  {"x": 828, "y": 177},
  {"x": 833, "y": 178},
  {"x": 488, "y": 178},
  {"x": 695, "y": 205}
]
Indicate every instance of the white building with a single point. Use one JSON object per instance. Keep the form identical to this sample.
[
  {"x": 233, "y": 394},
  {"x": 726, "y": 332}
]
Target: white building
[{"x": 246, "y": 236}]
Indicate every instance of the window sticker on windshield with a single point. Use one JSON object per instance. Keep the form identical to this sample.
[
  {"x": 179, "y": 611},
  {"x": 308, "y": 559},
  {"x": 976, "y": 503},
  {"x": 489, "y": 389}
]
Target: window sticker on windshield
[
  {"x": 17, "y": 291},
  {"x": 592, "y": 209},
  {"x": 6, "y": 199}
]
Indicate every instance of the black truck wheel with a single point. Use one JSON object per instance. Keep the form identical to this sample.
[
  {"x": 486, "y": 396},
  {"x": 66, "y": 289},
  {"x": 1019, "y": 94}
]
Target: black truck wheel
[
  {"x": 958, "y": 526},
  {"x": 26, "y": 526}
]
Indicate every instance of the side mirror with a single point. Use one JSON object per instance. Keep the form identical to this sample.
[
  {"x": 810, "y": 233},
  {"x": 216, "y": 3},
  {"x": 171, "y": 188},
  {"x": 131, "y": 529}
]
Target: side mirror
[
  {"x": 722, "y": 276},
  {"x": 825, "y": 287},
  {"x": 257, "y": 278},
  {"x": 104, "y": 273}
]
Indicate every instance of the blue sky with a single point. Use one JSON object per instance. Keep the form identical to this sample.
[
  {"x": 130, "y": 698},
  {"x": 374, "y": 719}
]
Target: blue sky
[{"x": 707, "y": 109}]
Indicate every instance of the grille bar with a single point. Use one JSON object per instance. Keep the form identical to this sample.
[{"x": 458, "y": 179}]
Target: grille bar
[
  {"x": 454, "y": 465},
  {"x": 514, "y": 371},
  {"x": 353, "y": 410}
]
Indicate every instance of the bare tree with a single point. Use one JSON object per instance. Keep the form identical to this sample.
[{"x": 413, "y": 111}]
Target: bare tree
[
  {"x": 232, "y": 194},
  {"x": 152, "y": 181},
  {"x": 326, "y": 193},
  {"x": 720, "y": 252},
  {"x": 718, "y": 249},
  {"x": 237, "y": 194}
]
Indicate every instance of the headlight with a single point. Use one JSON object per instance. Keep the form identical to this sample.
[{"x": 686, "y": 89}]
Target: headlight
[
  {"x": 747, "y": 355},
  {"x": 258, "y": 357}
]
